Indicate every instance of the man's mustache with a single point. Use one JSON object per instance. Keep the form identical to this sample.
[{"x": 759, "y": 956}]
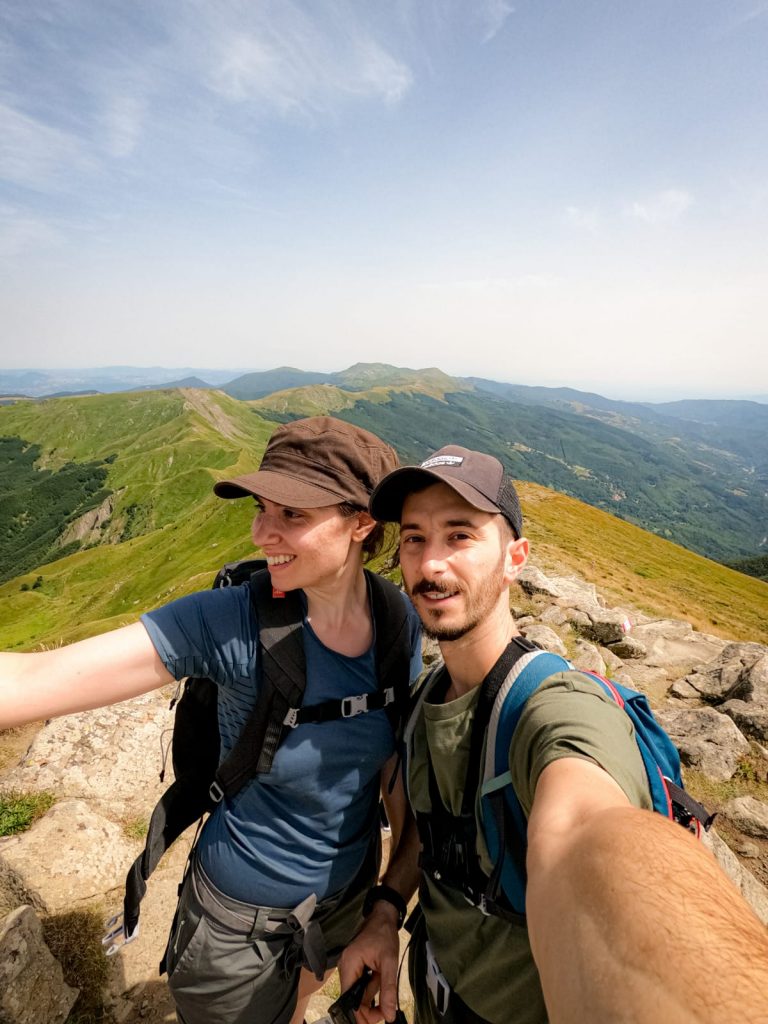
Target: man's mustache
[{"x": 427, "y": 587}]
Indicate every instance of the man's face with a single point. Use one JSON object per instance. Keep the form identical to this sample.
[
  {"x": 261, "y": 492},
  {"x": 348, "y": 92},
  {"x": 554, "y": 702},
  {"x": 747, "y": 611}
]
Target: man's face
[{"x": 456, "y": 564}]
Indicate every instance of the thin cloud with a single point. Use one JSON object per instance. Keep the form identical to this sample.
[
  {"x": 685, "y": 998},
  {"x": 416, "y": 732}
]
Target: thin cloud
[
  {"x": 585, "y": 220},
  {"x": 35, "y": 155},
  {"x": 21, "y": 233},
  {"x": 493, "y": 15},
  {"x": 123, "y": 123},
  {"x": 290, "y": 59},
  {"x": 662, "y": 208}
]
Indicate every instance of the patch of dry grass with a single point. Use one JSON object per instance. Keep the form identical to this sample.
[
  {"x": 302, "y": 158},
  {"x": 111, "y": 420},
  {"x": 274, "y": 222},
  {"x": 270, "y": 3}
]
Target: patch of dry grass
[{"x": 74, "y": 938}]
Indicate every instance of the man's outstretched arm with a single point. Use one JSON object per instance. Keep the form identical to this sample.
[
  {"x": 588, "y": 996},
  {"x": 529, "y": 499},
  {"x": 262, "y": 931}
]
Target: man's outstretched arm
[{"x": 630, "y": 917}]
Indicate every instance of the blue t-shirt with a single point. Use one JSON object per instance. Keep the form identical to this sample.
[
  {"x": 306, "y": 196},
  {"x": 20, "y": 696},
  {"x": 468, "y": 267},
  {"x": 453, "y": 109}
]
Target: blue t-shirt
[{"x": 306, "y": 825}]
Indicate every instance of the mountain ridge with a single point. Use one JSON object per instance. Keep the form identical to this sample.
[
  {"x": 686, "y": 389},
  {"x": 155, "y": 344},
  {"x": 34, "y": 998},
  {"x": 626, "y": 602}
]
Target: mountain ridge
[{"x": 167, "y": 534}]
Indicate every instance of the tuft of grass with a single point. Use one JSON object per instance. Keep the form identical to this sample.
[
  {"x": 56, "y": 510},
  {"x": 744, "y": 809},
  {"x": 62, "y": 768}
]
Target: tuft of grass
[
  {"x": 749, "y": 779},
  {"x": 74, "y": 938},
  {"x": 18, "y": 810},
  {"x": 135, "y": 828}
]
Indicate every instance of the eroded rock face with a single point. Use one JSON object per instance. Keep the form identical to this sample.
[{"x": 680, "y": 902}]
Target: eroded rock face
[
  {"x": 740, "y": 672},
  {"x": 32, "y": 988},
  {"x": 748, "y": 815},
  {"x": 103, "y": 765},
  {"x": 706, "y": 739},
  {"x": 68, "y": 857},
  {"x": 99, "y": 755}
]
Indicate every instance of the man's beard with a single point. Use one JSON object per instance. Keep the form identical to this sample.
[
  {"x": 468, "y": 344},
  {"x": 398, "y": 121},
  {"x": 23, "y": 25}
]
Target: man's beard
[{"x": 478, "y": 604}]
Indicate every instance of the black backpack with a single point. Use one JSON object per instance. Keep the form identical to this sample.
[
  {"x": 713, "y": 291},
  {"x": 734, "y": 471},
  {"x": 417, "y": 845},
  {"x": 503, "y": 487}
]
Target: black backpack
[{"x": 200, "y": 781}]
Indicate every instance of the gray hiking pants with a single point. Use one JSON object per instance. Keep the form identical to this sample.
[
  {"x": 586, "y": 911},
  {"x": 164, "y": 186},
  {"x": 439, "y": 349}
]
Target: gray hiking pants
[{"x": 234, "y": 963}]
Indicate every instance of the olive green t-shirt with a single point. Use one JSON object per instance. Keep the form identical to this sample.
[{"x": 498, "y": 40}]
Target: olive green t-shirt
[{"x": 486, "y": 960}]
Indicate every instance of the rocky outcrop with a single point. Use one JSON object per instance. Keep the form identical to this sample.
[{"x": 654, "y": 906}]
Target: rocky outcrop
[
  {"x": 32, "y": 988},
  {"x": 707, "y": 740},
  {"x": 110, "y": 757},
  {"x": 70, "y": 857},
  {"x": 711, "y": 696},
  {"x": 88, "y": 527}
]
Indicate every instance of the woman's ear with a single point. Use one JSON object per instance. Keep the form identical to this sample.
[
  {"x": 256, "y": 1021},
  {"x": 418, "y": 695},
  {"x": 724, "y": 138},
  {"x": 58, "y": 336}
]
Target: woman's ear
[{"x": 364, "y": 523}]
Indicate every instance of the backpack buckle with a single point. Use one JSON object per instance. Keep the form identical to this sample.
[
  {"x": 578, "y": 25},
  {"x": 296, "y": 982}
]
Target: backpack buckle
[
  {"x": 215, "y": 792},
  {"x": 291, "y": 719},
  {"x": 389, "y": 696},
  {"x": 357, "y": 705},
  {"x": 115, "y": 937}
]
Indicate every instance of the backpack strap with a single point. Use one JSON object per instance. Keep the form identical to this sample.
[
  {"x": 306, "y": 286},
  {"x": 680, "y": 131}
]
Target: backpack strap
[
  {"x": 280, "y": 697},
  {"x": 279, "y": 704},
  {"x": 449, "y": 841},
  {"x": 393, "y": 647},
  {"x": 283, "y": 680},
  {"x": 505, "y": 827}
]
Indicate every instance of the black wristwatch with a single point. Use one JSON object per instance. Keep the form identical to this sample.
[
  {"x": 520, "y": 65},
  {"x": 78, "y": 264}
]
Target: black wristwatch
[{"x": 389, "y": 895}]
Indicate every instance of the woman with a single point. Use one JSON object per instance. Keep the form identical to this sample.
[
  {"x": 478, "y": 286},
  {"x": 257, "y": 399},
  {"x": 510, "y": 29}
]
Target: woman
[{"x": 282, "y": 869}]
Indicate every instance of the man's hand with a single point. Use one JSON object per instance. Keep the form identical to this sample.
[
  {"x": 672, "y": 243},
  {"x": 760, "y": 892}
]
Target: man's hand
[{"x": 376, "y": 946}]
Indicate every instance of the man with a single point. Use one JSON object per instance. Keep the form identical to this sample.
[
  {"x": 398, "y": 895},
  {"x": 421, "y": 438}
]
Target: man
[{"x": 629, "y": 918}]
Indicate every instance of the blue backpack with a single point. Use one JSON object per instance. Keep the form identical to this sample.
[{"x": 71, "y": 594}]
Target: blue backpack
[{"x": 449, "y": 851}]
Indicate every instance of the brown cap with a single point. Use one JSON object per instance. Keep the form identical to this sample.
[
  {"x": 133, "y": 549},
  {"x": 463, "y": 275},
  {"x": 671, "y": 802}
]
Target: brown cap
[
  {"x": 478, "y": 478},
  {"x": 315, "y": 462}
]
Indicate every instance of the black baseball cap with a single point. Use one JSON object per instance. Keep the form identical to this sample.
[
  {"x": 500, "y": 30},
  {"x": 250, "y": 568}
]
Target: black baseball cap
[{"x": 478, "y": 478}]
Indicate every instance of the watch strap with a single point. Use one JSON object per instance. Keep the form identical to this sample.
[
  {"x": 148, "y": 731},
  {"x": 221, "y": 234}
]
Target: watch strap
[{"x": 389, "y": 895}]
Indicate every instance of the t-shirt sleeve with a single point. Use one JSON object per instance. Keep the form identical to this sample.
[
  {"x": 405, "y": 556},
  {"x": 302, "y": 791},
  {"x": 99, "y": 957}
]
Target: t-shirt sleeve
[
  {"x": 212, "y": 633},
  {"x": 571, "y": 716}
]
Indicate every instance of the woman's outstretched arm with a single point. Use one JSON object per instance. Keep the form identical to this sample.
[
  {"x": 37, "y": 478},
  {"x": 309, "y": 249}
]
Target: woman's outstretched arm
[{"x": 89, "y": 674}]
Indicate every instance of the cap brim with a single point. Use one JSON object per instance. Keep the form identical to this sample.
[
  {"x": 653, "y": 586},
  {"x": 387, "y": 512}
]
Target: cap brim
[
  {"x": 285, "y": 490},
  {"x": 387, "y": 499}
]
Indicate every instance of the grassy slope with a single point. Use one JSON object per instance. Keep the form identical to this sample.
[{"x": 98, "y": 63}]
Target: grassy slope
[
  {"x": 632, "y": 567},
  {"x": 171, "y": 447},
  {"x": 327, "y": 399}
]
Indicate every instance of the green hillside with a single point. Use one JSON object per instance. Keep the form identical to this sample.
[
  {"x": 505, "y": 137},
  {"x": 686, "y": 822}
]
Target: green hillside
[
  {"x": 632, "y": 567},
  {"x": 167, "y": 533},
  {"x": 648, "y": 484}
]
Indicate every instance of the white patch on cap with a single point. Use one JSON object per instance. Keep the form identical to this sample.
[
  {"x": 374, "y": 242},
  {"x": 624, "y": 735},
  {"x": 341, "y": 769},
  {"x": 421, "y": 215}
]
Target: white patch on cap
[{"x": 442, "y": 460}]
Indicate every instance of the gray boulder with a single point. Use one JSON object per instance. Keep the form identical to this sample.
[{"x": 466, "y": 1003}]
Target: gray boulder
[
  {"x": 628, "y": 647},
  {"x": 748, "y": 815},
  {"x": 751, "y": 719},
  {"x": 707, "y": 740},
  {"x": 32, "y": 987},
  {"x": 740, "y": 672},
  {"x": 70, "y": 856},
  {"x": 110, "y": 757},
  {"x": 546, "y": 638},
  {"x": 533, "y": 581},
  {"x": 588, "y": 657}
]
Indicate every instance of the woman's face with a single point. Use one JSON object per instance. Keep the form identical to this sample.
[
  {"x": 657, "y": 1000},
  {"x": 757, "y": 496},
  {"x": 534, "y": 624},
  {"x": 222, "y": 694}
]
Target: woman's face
[{"x": 307, "y": 547}]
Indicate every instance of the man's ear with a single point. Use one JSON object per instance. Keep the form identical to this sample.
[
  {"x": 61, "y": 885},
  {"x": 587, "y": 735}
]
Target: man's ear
[{"x": 516, "y": 557}]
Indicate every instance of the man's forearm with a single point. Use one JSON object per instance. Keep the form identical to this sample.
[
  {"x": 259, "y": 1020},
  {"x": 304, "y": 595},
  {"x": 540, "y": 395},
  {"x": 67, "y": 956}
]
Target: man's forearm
[
  {"x": 632, "y": 919},
  {"x": 377, "y": 945}
]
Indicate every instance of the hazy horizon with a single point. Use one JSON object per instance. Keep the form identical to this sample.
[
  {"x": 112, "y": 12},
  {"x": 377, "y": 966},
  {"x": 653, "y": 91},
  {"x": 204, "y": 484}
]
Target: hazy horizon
[{"x": 218, "y": 376}]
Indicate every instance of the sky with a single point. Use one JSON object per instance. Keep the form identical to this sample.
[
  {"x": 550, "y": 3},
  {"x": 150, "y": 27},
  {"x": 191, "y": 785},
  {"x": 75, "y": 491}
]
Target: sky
[{"x": 552, "y": 192}]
